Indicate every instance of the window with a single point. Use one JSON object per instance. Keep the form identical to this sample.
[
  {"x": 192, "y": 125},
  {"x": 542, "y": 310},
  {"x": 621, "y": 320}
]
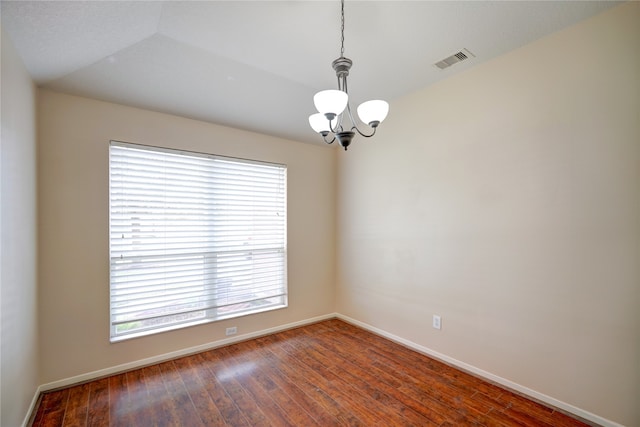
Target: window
[{"x": 193, "y": 238}]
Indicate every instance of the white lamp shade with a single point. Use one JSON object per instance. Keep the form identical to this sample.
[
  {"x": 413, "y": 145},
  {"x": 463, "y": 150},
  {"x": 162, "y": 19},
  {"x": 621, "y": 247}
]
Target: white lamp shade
[
  {"x": 319, "y": 123},
  {"x": 373, "y": 111},
  {"x": 331, "y": 101}
]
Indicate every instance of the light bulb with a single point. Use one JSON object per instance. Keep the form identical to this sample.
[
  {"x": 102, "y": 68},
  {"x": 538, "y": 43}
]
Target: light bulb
[
  {"x": 331, "y": 101},
  {"x": 319, "y": 123},
  {"x": 373, "y": 112}
]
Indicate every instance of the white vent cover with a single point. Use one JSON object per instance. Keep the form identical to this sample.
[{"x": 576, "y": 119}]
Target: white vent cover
[{"x": 453, "y": 59}]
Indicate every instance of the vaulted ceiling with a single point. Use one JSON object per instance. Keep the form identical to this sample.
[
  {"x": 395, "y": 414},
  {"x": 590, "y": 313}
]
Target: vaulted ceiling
[{"x": 256, "y": 65}]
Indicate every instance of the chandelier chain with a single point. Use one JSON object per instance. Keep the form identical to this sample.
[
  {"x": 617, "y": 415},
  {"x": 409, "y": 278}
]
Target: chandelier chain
[{"x": 342, "y": 30}]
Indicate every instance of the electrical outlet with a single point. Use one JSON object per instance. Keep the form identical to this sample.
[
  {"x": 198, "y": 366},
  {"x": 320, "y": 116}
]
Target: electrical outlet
[
  {"x": 436, "y": 322},
  {"x": 231, "y": 331}
]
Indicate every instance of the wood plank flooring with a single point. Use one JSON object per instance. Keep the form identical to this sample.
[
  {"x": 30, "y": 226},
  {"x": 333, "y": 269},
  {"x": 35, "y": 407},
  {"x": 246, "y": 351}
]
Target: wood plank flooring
[{"x": 326, "y": 374}]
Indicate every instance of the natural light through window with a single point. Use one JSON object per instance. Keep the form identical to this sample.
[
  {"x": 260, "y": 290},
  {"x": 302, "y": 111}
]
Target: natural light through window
[{"x": 193, "y": 238}]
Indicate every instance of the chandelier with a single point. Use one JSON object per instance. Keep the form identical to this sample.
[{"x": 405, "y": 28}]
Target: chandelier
[{"x": 331, "y": 105}]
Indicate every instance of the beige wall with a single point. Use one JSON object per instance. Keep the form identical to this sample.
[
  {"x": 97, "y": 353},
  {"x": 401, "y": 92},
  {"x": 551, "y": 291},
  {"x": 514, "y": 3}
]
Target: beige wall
[
  {"x": 507, "y": 200},
  {"x": 73, "y": 142},
  {"x": 18, "y": 290}
]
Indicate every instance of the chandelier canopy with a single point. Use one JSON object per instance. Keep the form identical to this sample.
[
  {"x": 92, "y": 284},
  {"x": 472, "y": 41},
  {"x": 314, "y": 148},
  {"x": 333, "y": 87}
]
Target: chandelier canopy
[{"x": 331, "y": 105}]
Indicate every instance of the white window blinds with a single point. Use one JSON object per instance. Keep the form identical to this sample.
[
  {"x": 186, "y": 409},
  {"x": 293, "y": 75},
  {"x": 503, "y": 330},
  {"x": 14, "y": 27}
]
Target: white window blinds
[{"x": 193, "y": 238}]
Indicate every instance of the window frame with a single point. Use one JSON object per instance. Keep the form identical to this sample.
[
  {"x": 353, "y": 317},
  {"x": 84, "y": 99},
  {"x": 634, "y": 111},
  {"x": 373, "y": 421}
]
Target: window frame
[{"x": 210, "y": 258}]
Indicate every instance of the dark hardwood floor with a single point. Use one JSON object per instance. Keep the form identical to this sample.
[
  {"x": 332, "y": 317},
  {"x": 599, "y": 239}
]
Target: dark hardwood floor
[{"x": 325, "y": 374}]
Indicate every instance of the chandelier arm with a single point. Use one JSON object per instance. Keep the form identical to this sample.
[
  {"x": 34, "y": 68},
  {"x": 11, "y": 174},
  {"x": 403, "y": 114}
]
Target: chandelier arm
[
  {"x": 324, "y": 137},
  {"x": 342, "y": 83},
  {"x": 338, "y": 125},
  {"x": 344, "y": 89},
  {"x": 363, "y": 134},
  {"x": 353, "y": 122},
  {"x": 354, "y": 126}
]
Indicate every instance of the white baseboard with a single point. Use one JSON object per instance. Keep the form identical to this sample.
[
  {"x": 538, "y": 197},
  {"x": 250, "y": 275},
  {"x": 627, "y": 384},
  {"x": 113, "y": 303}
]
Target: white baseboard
[
  {"x": 585, "y": 415},
  {"x": 32, "y": 407},
  {"x": 164, "y": 357}
]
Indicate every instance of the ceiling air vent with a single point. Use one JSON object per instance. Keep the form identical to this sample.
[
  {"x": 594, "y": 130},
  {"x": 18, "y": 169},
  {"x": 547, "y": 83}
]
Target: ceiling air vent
[{"x": 453, "y": 59}]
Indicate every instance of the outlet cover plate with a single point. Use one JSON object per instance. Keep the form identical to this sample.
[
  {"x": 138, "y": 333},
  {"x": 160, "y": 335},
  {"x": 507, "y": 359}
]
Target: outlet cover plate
[{"x": 437, "y": 322}]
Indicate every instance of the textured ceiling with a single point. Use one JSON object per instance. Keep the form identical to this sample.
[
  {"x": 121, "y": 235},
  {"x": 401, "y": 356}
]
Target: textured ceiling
[{"x": 255, "y": 65}]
